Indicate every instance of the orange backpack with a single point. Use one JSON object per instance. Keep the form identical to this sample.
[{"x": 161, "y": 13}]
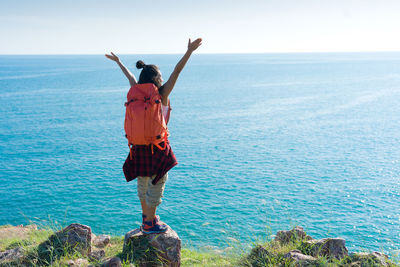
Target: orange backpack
[{"x": 144, "y": 121}]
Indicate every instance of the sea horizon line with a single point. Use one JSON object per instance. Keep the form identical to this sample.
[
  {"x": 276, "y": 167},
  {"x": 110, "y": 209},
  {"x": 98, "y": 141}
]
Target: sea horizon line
[{"x": 211, "y": 53}]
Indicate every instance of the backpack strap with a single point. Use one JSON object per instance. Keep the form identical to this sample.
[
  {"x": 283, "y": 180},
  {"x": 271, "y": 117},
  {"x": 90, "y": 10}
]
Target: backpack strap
[
  {"x": 164, "y": 139},
  {"x": 168, "y": 112},
  {"x": 130, "y": 101},
  {"x": 130, "y": 150}
]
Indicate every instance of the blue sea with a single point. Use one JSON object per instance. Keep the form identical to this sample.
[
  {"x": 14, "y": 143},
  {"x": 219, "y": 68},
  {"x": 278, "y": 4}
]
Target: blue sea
[{"x": 264, "y": 142}]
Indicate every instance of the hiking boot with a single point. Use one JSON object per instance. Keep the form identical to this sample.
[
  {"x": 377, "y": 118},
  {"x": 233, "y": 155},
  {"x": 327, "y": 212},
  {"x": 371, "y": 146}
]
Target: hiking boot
[{"x": 153, "y": 227}]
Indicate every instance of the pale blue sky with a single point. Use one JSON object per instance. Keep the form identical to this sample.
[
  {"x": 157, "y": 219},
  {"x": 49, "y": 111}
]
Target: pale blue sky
[{"x": 163, "y": 26}]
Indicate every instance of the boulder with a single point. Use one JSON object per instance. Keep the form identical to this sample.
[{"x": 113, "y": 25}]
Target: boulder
[
  {"x": 382, "y": 258},
  {"x": 300, "y": 259},
  {"x": 74, "y": 237},
  {"x": 260, "y": 252},
  {"x": 298, "y": 256},
  {"x": 327, "y": 247},
  {"x": 78, "y": 263},
  {"x": 368, "y": 259},
  {"x": 101, "y": 241},
  {"x": 153, "y": 249},
  {"x": 297, "y": 233},
  {"x": 112, "y": 262},
  {"x": 97, "y": 254},
  {"x": 11, "y": 255}
]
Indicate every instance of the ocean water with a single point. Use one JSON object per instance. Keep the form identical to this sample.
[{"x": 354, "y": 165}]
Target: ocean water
[{"x": 264, "y": 142}]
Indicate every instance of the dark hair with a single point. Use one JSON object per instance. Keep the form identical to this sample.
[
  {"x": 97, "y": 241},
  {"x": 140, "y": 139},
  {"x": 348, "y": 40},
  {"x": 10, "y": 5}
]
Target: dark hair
[{"x": 149, "y": 74}]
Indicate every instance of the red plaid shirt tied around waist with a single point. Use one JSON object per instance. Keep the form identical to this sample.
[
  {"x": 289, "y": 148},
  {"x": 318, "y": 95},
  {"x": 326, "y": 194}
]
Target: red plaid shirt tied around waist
[{"x": 146, "y": 163}]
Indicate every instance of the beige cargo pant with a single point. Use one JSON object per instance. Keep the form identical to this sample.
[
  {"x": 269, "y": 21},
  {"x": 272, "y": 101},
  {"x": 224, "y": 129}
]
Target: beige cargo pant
[{"x": 149, "y": 192}]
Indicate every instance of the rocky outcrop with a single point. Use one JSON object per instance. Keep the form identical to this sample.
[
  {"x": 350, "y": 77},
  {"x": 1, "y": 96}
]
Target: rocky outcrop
[
  {"x": 260, "y": 252},
  {"x": 380, "y": 257},
  {"x": 93, "y": 236},
  {"x": 311, "y": 250},
  {"x": 367, "y": 259},
  {"x": 327, "y": 247},
  {"x": 78, "y": 263},
  {"x": 289, "y": 248},
  {"x": 297, "y": 233},
  {"x": 101, "y": 241},
  {"x": 153, "y": 249},
  {"x": 13, "y": 255},
  {"x": 299, "y": 258},
  {"x": 75, "y": 237},
  {"x": 112, "y": 262},
  {"x": 97, "y": 255}
]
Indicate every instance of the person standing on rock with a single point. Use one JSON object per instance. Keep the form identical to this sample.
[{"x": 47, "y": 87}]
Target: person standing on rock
[{"x": 150, "y": 156}]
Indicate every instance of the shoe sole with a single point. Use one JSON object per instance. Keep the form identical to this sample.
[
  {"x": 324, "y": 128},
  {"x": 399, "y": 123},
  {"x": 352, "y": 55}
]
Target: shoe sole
[{"x": 153, "y": 232}]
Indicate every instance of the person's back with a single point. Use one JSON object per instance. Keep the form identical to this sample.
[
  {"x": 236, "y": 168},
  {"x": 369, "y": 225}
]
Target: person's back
[{"x": 150, "y": 159}]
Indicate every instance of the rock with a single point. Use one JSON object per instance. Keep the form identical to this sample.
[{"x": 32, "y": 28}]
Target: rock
[
  {"x": 260, "y": 252},
  {"x": 300, "y": 259},
  {"x": 101, "y": 241},
  {"x": 75, "y": 237},
  {"x": 297, "y": 233},
  {"x": 327, "y": 247},
  {"x": 368, "y": 259},
  {"x": 78, "y": 263},
  {"x": 112, "y": 262},
  {"x": 97, "y": 254},
  {"x": 14, "y": 254},
  {"x": 381, "y": 257},
  {"x": 298, "y": 256},
  {"x": 154, "y": 249}
]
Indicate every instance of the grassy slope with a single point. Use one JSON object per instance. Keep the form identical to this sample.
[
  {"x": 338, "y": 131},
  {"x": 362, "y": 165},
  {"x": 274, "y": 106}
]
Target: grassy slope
[
  {"x": 34, "y": 237},
  {"x": 189, "y": 257}
]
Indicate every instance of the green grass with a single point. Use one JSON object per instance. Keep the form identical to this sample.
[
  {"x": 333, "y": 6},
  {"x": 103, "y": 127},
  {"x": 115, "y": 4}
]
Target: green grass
[
  {"x": 271, "y": 254},
  {"x": 207, "y": 258},
  {"x": 263, "y": 253},
  {"x": 33, "y": 238}
]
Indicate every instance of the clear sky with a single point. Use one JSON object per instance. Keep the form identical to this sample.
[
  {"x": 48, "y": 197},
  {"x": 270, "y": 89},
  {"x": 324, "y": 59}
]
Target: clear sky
[{"x": 231, "y": 26}]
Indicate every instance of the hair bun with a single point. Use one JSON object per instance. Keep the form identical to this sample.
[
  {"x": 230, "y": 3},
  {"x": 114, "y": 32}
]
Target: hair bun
[{"x": 140, "y": 64}]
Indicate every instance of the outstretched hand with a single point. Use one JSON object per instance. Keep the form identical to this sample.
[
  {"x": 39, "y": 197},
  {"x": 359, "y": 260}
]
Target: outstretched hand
[
  {"x": 194, "y": 45},
  {"x": 113, "y": 57}
]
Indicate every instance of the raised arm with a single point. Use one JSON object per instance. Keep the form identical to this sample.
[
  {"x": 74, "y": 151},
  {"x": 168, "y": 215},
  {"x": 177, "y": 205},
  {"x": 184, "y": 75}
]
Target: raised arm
[
  {"x": 128, "y": 74},
  {"x": 169, "y": 85}
]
